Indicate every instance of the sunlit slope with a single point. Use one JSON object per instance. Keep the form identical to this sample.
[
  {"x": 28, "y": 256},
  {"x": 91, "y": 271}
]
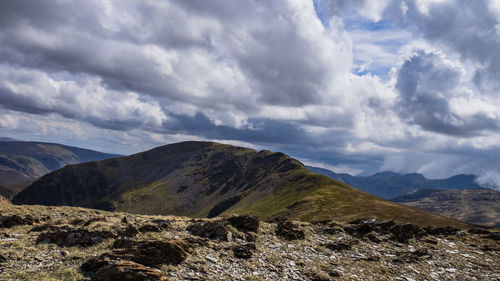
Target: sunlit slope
[{"x": 203, "y": 179}]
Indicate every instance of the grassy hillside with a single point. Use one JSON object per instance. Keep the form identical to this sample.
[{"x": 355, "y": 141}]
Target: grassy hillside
[
  {"x": 477, "y": 206},
  {"x": 21, "y": 162},
  {"x": 203, "y": 179}
]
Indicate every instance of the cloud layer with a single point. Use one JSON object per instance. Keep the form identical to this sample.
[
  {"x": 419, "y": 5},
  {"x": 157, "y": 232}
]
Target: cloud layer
[{"x": 362, "y": 85}]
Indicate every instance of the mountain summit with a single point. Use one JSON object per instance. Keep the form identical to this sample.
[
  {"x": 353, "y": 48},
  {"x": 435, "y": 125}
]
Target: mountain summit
[{"x": 204, "y": 179}]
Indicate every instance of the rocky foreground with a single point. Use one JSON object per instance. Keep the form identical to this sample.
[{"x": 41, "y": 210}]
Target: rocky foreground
[{"x": 62, "y": 243}]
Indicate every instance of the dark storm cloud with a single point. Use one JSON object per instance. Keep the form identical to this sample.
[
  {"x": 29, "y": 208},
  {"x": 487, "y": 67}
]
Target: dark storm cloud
[
  {"x": 279, "y": 66},
  {"x": 282, "y": 136},
  {"x": 261, "y": 72},
  {"x": 258, "y": 130}
]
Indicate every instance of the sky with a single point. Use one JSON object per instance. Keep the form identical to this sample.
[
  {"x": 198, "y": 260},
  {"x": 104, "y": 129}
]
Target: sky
[{"x": 355, "y": 86}]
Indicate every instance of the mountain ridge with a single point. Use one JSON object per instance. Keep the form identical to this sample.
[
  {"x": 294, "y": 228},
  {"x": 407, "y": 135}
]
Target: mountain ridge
[
  {"x": 23, "y": 161},
  {"x": 390, "y": 184},
  {"x": 204, "y": 179},
  {"x": 479, "y": 206}
]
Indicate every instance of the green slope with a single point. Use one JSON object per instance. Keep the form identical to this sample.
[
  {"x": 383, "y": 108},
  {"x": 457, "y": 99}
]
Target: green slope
[{"x": 203, "y": 179}]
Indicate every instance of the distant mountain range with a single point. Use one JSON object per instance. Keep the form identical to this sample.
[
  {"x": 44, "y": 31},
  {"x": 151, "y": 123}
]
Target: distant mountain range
[
  {"x": 477, "y": 206},
  {"x": 389, "y": 184},
  {"x": 204, "y": 179},
  {"x": 23, "y": 161}
]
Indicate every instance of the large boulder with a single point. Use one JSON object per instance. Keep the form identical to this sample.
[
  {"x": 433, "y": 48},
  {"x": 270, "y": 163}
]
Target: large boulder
[
  {"x": 215, "y": 230},
  {"x": 411, "y": 257},
  {"x": 441, "y": 231},
  {"x": 244, "y": 251},
  {"x": 13, "y": 220},
  {"x": 362, "y": 227},
  {"x": 150, "y": 252},
  {"x": 289, "y": 230},
  {"x": 406, "y": 231},
  {"x": 75, "y": 237},
  {"x": 104, "y": 269},
  {"x": 245, "y": 223}
]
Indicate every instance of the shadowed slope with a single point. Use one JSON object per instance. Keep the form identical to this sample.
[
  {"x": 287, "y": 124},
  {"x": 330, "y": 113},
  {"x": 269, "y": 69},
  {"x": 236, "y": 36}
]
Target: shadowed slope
[
  {"x": 21, "y": 162},
  {"x": 209, "y": 179}
]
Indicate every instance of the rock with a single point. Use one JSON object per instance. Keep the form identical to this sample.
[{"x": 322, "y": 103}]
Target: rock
[
  {"x": 478, "y": 231},
  {"x": 150, "y": 228},
  {"x": 215, "y": 230},
  {"x": 123, "y": 243},
  {"x": 359, "y": 230},
  {"x": 372, "y": 258},
  {"x": 197, "y": 241},
  {"x": 332, "y": 273},
  {"x": 163, "y": 224},
  {"x": 289, "y": 231},
  {"x": 361, "y": 227},
  {"x": 340, "y": 245},
  {"x": 372, "y": 236},
  {"x": 404, "y": 232},
  {"x": 363, "y": 221},
  {"x": 441, "y": 231},
  {"x": 88, "y": 222},
  {"x": 245, "y": 223},
  {"x": 95, "y": 219},
  {"x": 212, "y": 258},
  {"x": 431, "y": 241},
  {"x": 150, "y": 252},
  {"x": 74, "y": 237},
  {"x": 412, "y": 257},
  {"x": 244, "y": 251},
  {"x": 318, "y": 276},
  {"x": 494, "y": 236},
  {"x": 130, "y": 231},
  {"x": 250, "y": 237},
  {"x": 13, "y": 220},
  {"x": 333, "y": 230},
  {"x": 2, "y": 259},
  {"x": 103, "y": 269},
  {"x": 384, "y": 227}
]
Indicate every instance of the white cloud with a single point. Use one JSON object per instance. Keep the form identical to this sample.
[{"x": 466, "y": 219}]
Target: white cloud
[{"x": 263, "y": 74}]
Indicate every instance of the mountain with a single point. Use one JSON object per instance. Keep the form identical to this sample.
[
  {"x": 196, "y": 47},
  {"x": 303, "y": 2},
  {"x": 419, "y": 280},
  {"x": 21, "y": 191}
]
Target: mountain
[
  {"x": 478, "y": 206},
  {"x": 389, "y": 184},
  {"x": 203, "y": 179},
  {"x": 5, "y": 139},
  {"x": 21, "y": 161}
]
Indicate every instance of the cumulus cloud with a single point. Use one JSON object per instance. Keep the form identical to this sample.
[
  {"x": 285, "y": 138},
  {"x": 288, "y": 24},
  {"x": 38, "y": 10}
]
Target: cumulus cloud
[
  {"x": 432, "y": 93},
  {"x": 179, "y": 66},
  {"x": 310, "y": 78},
  {"x": 34, "y": 91}
]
